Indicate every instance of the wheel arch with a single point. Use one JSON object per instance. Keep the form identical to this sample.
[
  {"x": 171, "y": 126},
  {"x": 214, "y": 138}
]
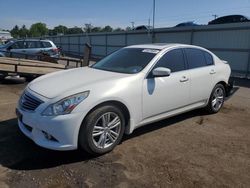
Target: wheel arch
[
  {"x": 222, "y": 83},
  {"x": 118, "y": 104}
]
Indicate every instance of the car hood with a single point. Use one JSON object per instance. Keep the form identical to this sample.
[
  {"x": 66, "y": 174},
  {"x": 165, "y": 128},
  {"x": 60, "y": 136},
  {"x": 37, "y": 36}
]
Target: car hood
[{"x": 54, "y": 84}]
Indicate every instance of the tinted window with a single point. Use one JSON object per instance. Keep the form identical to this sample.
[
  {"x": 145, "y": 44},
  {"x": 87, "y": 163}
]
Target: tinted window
[
  {"x": 195, "y": 58},
  {"x": 30, "y": 44},
  {"x": 18, "y": 45},
  {"x": 38, "y": 44},
  {"x": 173, "y": 60},
  {"x": 47, "y": 45},
  {"x": 127, "y": 60},
  {"x": 209, "y": 58}
]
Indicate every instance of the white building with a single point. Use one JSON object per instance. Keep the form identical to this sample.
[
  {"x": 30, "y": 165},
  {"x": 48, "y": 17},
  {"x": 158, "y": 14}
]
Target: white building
[{"x": 4, "y": 35}]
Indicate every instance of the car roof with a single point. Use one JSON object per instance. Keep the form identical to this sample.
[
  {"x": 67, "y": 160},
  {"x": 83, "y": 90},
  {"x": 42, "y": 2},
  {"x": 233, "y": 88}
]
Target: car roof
[
  {"x": 42, "y": 40},
  {"x": 161, "y": 46}
]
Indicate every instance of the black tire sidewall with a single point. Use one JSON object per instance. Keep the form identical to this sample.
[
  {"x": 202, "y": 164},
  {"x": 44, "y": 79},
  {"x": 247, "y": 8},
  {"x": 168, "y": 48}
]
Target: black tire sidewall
[{"x": 85, "y": 134}]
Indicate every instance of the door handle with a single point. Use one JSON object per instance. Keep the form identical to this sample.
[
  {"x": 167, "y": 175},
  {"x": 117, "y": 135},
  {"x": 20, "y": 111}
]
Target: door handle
[
  {"x": 184, "y": 79},
  {"x": 212, "y": 71}
]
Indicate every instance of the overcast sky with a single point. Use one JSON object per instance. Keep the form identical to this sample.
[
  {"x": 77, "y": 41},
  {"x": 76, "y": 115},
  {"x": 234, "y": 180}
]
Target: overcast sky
[{"x": 116, "y": 13}]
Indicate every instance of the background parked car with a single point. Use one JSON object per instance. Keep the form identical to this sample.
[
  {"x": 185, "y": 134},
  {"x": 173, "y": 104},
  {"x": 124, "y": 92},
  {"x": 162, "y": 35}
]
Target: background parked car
[
  {"x": 186, "y": 24},
  {"x": 142, "y": 27},
  {"x": 229, "y": 19},
  {"x": 32, "y": 47}
]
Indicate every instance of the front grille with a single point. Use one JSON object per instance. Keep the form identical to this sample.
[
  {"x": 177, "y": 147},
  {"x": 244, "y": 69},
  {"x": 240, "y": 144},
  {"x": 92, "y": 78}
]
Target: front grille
[{"x": 29, "y": 102}]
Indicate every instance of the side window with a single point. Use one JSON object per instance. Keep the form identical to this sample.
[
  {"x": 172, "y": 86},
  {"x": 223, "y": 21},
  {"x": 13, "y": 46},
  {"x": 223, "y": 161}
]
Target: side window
[
  {"x": 30, "y": 44},
  {"x": 195, "y": 58},
  {"x": 173, "y": 60},
  {"x": 47, "y": 45},
  {"x": 209, "y": 58},
  {"x": 17, "y": 45},
  {"x": 38, "y": 44}
]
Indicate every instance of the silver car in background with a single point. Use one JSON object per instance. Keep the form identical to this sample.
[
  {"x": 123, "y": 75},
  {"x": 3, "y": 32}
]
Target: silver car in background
[{"x": 32, "y": 47}]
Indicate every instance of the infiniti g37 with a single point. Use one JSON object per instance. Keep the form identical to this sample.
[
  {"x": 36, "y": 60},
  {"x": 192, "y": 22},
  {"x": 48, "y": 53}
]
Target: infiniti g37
[{"x": 93, "y": 107}]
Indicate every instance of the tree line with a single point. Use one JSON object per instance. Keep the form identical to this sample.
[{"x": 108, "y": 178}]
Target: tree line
[{"x": 40, "y": 29}]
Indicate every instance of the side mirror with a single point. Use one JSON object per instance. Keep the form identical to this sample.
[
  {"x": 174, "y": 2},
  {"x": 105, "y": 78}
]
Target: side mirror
[{"x": 161, "y": 72}]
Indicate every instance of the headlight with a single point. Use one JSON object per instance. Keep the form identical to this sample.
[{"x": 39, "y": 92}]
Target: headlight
[{"x": 66, "y": 105}]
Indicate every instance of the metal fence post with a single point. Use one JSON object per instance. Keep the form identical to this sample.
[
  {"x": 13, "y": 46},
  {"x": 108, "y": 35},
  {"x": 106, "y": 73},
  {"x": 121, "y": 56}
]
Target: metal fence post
[
  {"x": 106, "y": 44},
  {"x": 60, "y": 41},
  {"x": 248, "y": 66},
  {"x": 192, "y": 37},
  {"x": 79, "y": 45},
  {"x": 69, "y": 44},
  {"x": 126, "y": 38}
]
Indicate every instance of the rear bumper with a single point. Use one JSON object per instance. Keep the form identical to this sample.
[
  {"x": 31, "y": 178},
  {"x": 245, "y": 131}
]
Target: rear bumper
[{"x": 230, "y": 89}]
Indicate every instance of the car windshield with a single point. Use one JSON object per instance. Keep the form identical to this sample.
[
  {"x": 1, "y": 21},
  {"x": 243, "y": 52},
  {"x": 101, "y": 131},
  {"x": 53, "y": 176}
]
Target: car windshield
[
  {"x": 127, "y": 60},
  {"x": 6, "y": 45}
]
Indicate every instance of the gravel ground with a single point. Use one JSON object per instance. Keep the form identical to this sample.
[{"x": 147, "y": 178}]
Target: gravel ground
[{"x": 191, "y": 150}]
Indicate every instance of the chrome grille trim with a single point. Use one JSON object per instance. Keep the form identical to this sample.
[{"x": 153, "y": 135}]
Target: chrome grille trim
[{"x": 28, "y": 102}]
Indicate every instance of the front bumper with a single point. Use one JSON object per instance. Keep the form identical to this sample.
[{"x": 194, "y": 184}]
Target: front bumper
[{"x": 62, "y": 130}]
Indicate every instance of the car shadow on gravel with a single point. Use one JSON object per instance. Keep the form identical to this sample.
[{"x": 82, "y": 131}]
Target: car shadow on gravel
[
  {"x": 20, "y": 153},
  {"x": 166, "y": 122}
]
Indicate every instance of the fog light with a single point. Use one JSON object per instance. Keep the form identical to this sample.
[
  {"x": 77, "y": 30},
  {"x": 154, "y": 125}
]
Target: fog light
[{"x": 47, "y": 136}]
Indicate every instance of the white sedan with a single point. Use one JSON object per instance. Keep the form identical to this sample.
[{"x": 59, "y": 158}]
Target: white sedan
[{"x": 92, "y": 107}]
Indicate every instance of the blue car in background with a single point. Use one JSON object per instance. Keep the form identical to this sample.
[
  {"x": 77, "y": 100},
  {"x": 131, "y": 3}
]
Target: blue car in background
[{"x": 184, "y": 24}]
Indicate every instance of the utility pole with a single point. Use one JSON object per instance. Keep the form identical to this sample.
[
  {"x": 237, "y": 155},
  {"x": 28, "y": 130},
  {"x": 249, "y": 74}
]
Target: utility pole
[
  {"x": 149, "y": 27},
  {"x": 133, "y": 25},
  {"x": 153, "y": 30},
  {"x": 215, "y": 16}
]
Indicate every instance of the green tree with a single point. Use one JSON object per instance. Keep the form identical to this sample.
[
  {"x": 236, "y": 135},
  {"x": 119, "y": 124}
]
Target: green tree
[
  {"x": 38, "y": 30},
  {"x": 107, "y": 28},
  {"x": 87, "y": 28},
  {"x": 15, "y": 32},
  {"x": 118, "y": 29},
  {"x": 60, "y": 29},
  {"x": 96, "y": 29},
  {"x": 23, "y": 32},
  {"x": 74, "y": 30},
  {"x": 128, "y": 28}
]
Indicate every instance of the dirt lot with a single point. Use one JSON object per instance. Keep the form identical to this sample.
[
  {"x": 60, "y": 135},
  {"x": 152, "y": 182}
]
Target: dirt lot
[{"x": 190, "y": 150}]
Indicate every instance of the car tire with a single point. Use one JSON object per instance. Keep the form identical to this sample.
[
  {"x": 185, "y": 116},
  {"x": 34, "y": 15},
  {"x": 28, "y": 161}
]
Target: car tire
[
  {"x": 102, "y": 130},
  {"x": 216, "y": 99}
]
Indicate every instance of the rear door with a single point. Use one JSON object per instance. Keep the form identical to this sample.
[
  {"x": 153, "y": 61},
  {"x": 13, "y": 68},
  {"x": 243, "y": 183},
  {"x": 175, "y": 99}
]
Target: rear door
[
  {"x": 33, "y": 47},
  {"x": 202, "y": 71}
]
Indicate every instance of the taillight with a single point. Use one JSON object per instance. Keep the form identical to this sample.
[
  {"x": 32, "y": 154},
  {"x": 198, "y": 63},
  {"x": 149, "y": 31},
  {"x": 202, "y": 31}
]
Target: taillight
[{"x": 56, "y": 50}]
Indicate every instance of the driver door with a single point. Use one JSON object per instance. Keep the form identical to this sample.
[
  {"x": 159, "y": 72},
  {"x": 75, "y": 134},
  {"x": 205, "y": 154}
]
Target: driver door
[
  {"x": 17, "y": 49},
  {"x": 165, "y": 94}
]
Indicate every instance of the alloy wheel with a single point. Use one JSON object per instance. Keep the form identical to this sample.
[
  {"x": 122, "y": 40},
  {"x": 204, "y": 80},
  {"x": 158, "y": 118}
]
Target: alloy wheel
[
  {"x": 218, "y": 98},
  {"x": 106, "y": 130}
]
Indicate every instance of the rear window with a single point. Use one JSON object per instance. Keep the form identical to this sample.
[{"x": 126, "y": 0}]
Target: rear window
[
  {"x": 195, "y": 58},
  {"x": 209, "y": 58},
  {"x": 47, "y": 45}
]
